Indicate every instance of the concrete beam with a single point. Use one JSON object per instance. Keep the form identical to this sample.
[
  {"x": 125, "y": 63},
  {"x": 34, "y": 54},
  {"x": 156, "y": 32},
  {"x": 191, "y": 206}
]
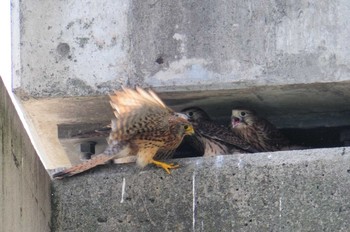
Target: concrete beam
[
  {"x": 281, "y": 191},
  {"x": 25, "y": 197},
  {"x": 86, "y": 48},
  {"x": 288, "y": 63}
]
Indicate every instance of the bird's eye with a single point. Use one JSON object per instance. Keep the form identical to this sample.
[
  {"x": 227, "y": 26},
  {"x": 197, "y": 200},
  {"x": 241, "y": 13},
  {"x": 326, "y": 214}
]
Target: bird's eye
[
  {"x": 243, "y": 114},
  {"x": 190, "y": 114},
  {"x": 186, "y": 127}
]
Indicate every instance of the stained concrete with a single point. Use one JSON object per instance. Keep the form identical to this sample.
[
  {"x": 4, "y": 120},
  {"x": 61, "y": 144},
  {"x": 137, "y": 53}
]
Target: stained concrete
[
  {"x": 282, "y": 191},
  {"x": 25, "y": 197},
  {"x": 235, "y": 44},
  {"x": 44, "y": 115},
  {"x": 88, "y": 48},
  {"x": 287, "y": 60}
]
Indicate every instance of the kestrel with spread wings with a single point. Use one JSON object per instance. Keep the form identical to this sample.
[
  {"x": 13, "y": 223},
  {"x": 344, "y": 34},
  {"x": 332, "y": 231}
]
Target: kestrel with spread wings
[{"x": 144, "y": 126}]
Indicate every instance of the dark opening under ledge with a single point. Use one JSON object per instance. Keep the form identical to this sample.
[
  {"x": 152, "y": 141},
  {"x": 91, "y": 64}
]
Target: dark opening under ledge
[
  {"x": 322, "y": 137},
  {"x": 310, "y": 114},
  {"x": 313, "y": 116}
]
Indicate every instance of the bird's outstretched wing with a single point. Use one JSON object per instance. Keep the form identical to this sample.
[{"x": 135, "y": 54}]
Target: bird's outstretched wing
[
  {"x": 138, "y": 111},
  {"x": 133, "y": 106},
  {"x": 143, "y": 125}
]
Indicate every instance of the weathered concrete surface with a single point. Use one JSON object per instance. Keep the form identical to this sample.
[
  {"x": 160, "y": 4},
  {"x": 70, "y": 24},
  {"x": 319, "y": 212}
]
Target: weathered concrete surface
[
  {"x": 71, "y": 48},
  {"x": 45, "y": 114},
  {"x": 287, "y": 60},
  {"x": 262, "y": 53},
  {"x": 282, "y": 191},
  {"x": 87, "y": 48},
  {"x": 235, "y": 44},
  {"x": 25, "y": 184}
]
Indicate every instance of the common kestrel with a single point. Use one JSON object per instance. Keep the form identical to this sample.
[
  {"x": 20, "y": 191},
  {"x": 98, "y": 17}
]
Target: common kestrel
[
  {"x": 257, "y": 131},
  {"x": 144, "y": 126},
  {"x": 212, "y": 139}
]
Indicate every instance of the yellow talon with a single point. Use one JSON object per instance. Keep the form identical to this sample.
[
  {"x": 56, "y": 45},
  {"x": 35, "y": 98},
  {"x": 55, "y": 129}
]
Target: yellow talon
[{"x": 165, "y": 166}]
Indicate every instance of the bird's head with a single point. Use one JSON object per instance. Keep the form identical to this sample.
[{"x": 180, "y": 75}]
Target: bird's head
[
  {"x": 195, "y": 114},
  {"x": 241, "y": 118},
  {"x": 187, "y": 129},
  {"x": 181, "y": 126}
]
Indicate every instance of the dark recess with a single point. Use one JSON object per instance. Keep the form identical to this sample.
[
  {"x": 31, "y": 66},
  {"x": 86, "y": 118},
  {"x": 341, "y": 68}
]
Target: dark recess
[{"x": 322, "y": 137}]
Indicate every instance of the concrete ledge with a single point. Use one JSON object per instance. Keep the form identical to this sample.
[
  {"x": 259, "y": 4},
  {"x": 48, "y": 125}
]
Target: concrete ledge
[{"x": 282, "y": 191}]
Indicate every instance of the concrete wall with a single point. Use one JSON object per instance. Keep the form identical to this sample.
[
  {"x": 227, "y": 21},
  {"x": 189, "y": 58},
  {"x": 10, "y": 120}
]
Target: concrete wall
[
  {"x": 25, "y": 203},
  {"x": 288, "y": 60},
  {"x": 281, "y": 191},
  {"x": 70, "y": 48},
  {"x": 261, "y": 54}
]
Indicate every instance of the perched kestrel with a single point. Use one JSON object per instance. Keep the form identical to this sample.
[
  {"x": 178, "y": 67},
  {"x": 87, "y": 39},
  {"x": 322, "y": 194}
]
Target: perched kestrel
[
  {"x": 144, "y": 126},
  {"x": 257, "y": 131},
  {"x": 212, "y": 139}
]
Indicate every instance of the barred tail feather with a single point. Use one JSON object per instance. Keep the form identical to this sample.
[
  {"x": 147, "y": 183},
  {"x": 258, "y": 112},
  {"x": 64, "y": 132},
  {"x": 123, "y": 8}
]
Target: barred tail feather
[
  {"x": 96, "y": 161},
  {"x": 112, "y": 152}
]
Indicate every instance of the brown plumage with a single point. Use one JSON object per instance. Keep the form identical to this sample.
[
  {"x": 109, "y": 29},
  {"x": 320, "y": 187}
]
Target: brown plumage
[
  {"x": 212, "y": 139},
  {"x": 144, "y": 126},
  {"x": 257, "y": 131}
]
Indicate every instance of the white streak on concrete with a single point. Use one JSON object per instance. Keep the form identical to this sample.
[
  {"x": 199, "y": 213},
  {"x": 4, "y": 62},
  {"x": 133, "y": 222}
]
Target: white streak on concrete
[
  {"x": 178, "y": 36},
  {"x": 219, "y": 161},
  {"x": 182, "y": 72},
  {"x": 194, "y": 202},
  {"x": 183, "y": 39},
  {"x": 280, "y": 201},
  {"x": 280, "y": 206},
  {"x": 199, "y": 162},
  {"x": 123, "y": 191},
  {"x": 239, "y": 163}
]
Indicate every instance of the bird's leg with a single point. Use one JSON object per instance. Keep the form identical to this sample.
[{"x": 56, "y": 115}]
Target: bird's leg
[{"x": 165, "y": 166}]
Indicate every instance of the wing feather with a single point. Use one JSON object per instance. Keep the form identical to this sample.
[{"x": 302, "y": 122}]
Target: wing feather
[
  {"x": 138, "y": 112},
  {"x": 223, "y": 134}
]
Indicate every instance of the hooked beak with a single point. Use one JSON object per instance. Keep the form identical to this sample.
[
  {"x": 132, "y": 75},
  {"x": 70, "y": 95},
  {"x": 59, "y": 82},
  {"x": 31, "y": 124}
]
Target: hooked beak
[
  {"x": 181, "y": 115},
  {"x": 189, "y": 130},
  {"x": 235, "y": 121}
]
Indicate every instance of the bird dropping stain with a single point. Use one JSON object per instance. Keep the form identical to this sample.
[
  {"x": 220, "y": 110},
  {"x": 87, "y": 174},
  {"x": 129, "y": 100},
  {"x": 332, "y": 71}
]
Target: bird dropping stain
[
  {"x": 123, "y": 190},
  {"x": 219, "y": 160},
  {"x": 194, "y": 202}
]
